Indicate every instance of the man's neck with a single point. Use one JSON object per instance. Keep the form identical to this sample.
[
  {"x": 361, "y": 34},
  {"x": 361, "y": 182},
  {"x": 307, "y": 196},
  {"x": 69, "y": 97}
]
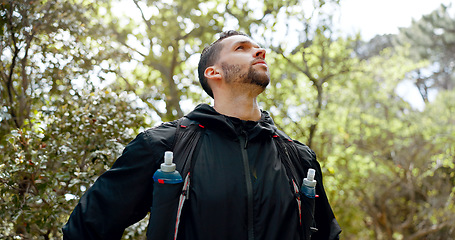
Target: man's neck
[{"x": 241, "y": 107}]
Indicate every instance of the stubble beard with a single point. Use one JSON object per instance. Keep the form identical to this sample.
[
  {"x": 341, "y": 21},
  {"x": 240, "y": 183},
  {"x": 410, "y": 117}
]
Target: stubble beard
[{"x": 232, "y": 74}]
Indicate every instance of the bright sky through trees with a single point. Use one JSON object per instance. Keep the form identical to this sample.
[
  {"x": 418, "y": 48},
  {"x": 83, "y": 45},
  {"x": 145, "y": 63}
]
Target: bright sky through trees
[
  {"x": 376, "y": 17},
  {"x": 372, "y": 17}
]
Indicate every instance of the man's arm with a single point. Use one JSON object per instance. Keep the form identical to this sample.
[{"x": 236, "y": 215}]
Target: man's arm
[
  {"x": 122, "y": 195},
  {"x": 327, "y": 225}
]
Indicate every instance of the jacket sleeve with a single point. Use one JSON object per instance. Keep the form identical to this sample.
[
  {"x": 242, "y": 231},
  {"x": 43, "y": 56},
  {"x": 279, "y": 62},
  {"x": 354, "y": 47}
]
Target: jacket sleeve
[
  {"x": 327, "y": 225},
  {"x": 122, "y": 195}
]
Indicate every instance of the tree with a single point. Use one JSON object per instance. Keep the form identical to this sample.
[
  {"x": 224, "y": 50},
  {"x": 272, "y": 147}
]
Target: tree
[
  {"x": 318, "y": 59},
  {"x": 49, "y": 51},
  {"x": 384, "y": 157},
  {"x": 374, "y": 47},
  {"x": 433, "y": 39},
  {"x": 48, "y": 166},
  {"x": 45, "y": 48},
  {"x": 163, "y": 42}
]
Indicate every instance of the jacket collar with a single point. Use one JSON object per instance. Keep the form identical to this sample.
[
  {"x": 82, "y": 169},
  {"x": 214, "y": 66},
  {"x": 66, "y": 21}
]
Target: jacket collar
[{"x": 209, "y": 117}]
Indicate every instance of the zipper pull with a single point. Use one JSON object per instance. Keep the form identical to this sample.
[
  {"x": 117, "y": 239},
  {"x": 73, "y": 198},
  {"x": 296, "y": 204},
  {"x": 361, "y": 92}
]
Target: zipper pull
[{"x": 245, "y": 134}]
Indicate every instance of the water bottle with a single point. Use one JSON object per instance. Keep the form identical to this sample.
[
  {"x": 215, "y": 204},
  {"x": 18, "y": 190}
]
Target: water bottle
[
  {"x": 167, "y": 188},
  {"x": 308, "y": 190},
  {"x": 167, "y": 173},
  {"x": 309, "y": 184}
]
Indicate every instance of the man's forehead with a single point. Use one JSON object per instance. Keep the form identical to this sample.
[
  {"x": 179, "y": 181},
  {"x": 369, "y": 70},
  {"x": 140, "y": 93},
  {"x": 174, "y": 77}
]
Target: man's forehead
[{"x": 236, "y": 39}]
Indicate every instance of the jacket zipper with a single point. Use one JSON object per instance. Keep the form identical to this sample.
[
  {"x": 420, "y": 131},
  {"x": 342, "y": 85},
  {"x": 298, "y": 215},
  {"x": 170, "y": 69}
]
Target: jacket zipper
[{"x": 249, "y": 186}]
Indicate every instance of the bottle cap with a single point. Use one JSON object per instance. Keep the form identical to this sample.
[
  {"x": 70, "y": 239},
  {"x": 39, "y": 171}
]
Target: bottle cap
[
  {"x": 168, "y": 165},
  {"x": 311, "y": 173},
  {"x": 309, "y": 180}
]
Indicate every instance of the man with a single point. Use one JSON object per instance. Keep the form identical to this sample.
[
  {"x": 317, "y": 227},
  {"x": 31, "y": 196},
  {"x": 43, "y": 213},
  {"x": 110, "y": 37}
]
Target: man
[{"x": 241, "y": 187}]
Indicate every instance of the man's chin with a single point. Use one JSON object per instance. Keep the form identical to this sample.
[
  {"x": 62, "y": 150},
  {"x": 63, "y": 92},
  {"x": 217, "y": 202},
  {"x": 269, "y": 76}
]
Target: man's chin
[
  {"x": 262, "y": 81},
  {"x": 259, "y": 78}
]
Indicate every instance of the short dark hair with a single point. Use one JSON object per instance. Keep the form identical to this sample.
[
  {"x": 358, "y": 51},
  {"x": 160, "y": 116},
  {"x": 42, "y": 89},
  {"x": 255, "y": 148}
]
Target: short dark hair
[{"x": 209, "y": 56}]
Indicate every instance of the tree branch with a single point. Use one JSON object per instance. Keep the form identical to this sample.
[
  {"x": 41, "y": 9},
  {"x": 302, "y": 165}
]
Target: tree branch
[
  {"x": 424, "y": 232},
  {"x": 149, "y": 25},
  {"x": 173, "y": 99},
  {"x": 152, "y": 106},
  {"x": 304, "y": 71},
  {"x": 9, "y": 82}
]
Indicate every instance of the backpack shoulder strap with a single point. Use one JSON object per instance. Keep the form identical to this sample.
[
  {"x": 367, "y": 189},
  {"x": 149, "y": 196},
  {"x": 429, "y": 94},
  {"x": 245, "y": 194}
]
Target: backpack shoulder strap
[
  {"x": 187, "y": 135},
  {"x": 288, "y": 154},
  {"x": 185, "y": 144}
]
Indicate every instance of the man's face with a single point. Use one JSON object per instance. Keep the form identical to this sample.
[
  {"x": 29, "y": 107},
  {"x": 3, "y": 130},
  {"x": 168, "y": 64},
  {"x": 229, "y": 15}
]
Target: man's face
[{"x": 243, "y": 61}]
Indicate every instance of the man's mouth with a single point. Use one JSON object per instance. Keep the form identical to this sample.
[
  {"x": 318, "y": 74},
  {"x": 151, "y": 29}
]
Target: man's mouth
[{"x": 260, "y": 61}]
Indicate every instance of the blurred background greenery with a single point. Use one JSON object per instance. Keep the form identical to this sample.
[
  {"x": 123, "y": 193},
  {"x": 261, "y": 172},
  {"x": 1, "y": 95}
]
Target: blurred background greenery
[{"x": 79, "y": 79}]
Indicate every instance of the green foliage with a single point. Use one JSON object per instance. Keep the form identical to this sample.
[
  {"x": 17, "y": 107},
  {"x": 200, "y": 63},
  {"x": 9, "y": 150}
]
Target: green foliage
[
  {"x": 303, "y": 79},
  {"x": 47, "y": 168},
  {"x": 45, "y": 47},
  {"x": 383, "y": 157},
  {"x": 433, "y": 38},
  {"x": 162, "y": 43},
  {"x": 53, "y": 138}
]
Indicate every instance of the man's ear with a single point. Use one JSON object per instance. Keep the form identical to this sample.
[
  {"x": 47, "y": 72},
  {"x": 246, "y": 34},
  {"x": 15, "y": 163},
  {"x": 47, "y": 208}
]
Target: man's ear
[{"x": 212, "y": 72}]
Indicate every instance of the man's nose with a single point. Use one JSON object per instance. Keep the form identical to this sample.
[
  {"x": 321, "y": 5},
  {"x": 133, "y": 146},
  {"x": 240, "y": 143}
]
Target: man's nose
[{"x": 260, "y": 52}]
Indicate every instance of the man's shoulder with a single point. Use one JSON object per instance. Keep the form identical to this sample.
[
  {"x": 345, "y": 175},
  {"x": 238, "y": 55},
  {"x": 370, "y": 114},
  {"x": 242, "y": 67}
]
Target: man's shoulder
[
  {"x": 163, "y": 132},
  {"x": 301, "y": 147},
  {"x": 166, "y": 131},
  {"x": 305, "y": 149}
]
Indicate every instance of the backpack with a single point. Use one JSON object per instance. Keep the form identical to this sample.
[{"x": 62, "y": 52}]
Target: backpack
[{"x": 187, "y": 136}]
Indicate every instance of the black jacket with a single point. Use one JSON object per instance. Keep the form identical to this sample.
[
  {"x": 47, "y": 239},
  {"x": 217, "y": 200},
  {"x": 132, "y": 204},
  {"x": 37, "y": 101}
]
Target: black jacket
[{"x": 237, "y": 170}]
